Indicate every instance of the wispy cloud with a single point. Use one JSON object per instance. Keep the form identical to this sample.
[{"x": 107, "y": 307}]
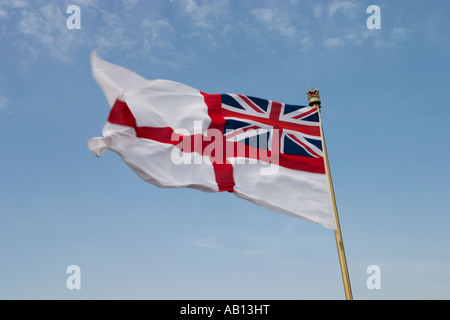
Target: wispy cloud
[
  {"x": 333, "y": 42},
  {"x": 43, "y": 31},
  {"x": 275, "y": 21},
  {"x": 317, "y": 11},
  {"x": 130, "y": 4},
  {"x": 157, "y": 32},
  {"x": 158, "y": 43},
  {"x": 204, "y": 14},
  {"x": 204, "y": 243},
  {"x": 112, "y": 33},
  {"x": 3, "y": 102},
  {"x": 346, "y": 7},
  {"x": 399, "y": 34},
  {"x": 363, "y": 36},
  {"x": 43, "y": 26}
]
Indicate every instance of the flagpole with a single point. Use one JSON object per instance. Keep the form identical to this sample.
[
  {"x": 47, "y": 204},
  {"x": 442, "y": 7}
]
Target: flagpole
[{"x": 314, "y": 101}]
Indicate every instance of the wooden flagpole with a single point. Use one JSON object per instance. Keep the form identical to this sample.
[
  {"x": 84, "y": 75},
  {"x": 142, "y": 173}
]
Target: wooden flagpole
[{"x": 314, "y": 100}]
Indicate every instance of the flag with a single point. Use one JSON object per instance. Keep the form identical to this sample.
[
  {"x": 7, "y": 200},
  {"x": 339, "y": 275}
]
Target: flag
[{"x": 175, "y": 136}]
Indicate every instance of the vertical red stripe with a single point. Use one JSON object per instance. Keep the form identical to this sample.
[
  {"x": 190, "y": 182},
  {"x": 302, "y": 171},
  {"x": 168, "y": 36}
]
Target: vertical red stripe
[
  {"x": 224, "y": 176},
  {"x": 275, "y": 111},
  {"x": 223, "y": 171}
]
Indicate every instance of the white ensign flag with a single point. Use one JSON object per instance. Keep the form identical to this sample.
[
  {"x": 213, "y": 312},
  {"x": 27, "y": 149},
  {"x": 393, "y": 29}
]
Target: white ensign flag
[{"x": 175, "y": 136}]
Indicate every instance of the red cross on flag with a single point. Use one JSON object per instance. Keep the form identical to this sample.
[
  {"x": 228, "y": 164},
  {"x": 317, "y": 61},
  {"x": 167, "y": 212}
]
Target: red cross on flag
[{"x": 175, "y": 136}]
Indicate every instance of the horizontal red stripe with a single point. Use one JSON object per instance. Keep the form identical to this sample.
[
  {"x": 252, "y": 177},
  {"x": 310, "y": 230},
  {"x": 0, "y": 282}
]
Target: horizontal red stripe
[
  {"x": 120, "y": 114},
  {"x": 163, "y": 135},
  {"x": 290, "y": 161}
]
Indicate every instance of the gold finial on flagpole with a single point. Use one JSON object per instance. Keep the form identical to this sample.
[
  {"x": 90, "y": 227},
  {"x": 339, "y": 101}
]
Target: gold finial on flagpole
[{"x": 313, "y": 97}]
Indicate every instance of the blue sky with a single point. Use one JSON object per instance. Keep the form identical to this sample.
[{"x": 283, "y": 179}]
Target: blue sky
[{"x": 385, "y": 114}]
